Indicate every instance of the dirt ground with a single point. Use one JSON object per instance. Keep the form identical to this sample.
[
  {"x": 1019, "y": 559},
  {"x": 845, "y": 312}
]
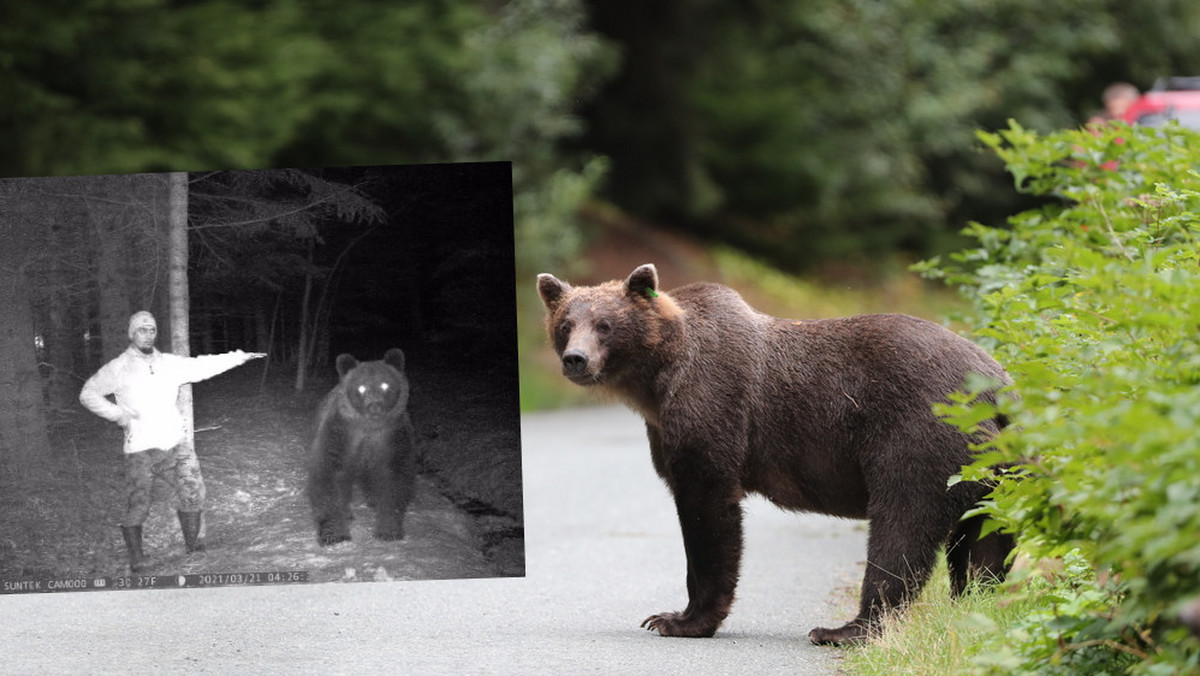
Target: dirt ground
[{"x": 60, "y": 519}]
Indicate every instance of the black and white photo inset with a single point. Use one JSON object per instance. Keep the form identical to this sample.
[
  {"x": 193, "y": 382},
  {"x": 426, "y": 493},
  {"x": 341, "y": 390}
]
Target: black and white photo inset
[{"x": 259, "y": 377}]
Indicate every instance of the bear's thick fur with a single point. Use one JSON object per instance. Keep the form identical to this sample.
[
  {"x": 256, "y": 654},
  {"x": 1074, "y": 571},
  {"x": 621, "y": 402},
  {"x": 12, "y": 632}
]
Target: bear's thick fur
[
  {"x": 831, "y": 416},
  {"x": 363, "y": 437}
]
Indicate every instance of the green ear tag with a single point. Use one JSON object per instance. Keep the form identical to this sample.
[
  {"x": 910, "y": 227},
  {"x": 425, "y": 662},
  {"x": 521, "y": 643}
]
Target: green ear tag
[{"x": 651, "y": 292}]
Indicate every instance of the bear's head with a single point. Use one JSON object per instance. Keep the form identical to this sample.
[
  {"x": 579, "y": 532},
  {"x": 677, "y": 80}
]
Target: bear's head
[
  {"x": 607, "y": 333},
  {"x": 374, "y": 389}
]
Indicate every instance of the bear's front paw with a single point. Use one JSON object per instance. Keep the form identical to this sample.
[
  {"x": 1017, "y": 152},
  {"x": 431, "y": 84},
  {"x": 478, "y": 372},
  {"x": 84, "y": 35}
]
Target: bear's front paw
[
  {"x": 679, "y": 624},
  {"x": 850, "y": 633}
]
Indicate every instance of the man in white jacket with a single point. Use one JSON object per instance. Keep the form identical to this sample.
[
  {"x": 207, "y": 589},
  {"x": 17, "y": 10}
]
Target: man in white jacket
[{"x": 145, "y": 384}]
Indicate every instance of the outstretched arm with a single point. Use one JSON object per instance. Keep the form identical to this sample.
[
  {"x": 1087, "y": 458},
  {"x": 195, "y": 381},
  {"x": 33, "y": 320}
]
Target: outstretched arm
[{"x": 195, "y": 369}]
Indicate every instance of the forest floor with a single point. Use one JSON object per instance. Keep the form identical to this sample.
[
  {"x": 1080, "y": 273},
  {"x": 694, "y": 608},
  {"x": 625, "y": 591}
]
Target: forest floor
[{"x": 59, "y": 519}]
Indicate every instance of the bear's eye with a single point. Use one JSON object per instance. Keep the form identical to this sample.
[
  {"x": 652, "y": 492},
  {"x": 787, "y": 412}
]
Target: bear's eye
[
  {"x": 603, "y": 327},
  {"x": 362, "y": 390},
  {"x": 383, "y": 386},
  {"x": 564, "y": 329}
]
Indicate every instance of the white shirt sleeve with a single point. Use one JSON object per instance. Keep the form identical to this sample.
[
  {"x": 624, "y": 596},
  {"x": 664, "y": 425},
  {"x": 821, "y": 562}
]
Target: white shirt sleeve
[
  {"x": 195, "y": 369},
  {"x": 94, "y": 395}
]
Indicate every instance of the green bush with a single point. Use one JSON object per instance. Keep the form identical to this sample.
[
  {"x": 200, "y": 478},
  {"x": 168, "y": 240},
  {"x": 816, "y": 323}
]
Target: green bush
[{"x": 1092, "y": 301}]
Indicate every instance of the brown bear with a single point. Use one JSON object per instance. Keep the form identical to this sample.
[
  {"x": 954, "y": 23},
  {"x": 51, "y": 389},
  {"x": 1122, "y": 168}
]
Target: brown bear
[
  {"x": 364, "y": 437},
  {"x": 831, "y": 416}
]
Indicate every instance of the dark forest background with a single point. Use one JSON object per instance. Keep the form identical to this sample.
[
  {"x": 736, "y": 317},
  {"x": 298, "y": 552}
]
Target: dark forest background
[{"x": 801, "y": 130}]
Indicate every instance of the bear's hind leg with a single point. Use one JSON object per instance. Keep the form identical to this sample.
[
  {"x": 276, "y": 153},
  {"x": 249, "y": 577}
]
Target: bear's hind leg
[
  {"x": 958, "y": 554},
  {"x": 971, "y": 557},
  {"x": 900, "y": 558}
]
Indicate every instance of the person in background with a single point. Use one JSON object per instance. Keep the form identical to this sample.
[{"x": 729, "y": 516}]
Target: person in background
[
  {"x": 1117, "y": 98},
  {"x": 1191, "y": 616},
  {"x": 145, "y": 385}
]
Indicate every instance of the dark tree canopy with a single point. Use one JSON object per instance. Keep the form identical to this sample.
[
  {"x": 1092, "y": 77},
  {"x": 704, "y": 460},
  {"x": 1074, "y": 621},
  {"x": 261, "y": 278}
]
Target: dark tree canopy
[
  {"x": 808, "y": 129},
  {"x": 155, "y": 85}
]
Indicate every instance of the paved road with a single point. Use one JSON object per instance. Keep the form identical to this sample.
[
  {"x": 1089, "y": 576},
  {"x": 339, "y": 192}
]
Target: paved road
[{"x": 603, "y": 552}]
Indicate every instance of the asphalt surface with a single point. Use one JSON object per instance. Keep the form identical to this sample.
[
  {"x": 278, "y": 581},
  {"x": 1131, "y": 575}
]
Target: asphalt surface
[{"x": 603, "y": 551}]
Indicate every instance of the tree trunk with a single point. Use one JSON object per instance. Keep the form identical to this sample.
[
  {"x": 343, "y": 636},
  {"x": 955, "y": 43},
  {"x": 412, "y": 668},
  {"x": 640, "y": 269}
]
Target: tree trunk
[
  {"x": 264, "y": 325},
  {"x": 112, "y": 242},
  {"x": 318, "y": 337},
  {"x": 206, "y": 315},
  {"x": 248, "y": 328},
  {"x": 63, "y": 302},
  {"x": 62, "y": 339},
  {"x": 305, "y": 336},
  {"x": 23, "y": 434},
  {"x": 177, "y": 287}
]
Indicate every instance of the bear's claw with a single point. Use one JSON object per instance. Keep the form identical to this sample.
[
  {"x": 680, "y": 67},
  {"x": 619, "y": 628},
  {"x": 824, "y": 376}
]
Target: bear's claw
[
  {"x": 676, "y": 624},
  {"x": 849, "y": 633}
]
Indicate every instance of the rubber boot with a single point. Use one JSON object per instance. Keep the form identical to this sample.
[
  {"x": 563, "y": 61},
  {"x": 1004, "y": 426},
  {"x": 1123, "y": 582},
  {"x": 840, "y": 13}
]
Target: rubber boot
[
  {"x": 138, "y": 561},
  {"x": 189, "y": 523}
]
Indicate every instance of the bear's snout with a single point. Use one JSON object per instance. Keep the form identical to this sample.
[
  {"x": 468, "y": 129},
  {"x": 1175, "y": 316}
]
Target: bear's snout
[{"x": 574, "y": 363}]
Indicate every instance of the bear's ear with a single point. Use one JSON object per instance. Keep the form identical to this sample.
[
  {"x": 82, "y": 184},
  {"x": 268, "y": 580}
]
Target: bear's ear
[
  {"x": 643, "y": 281},
  {"x": 345, "y": 362},
  {"x": 552, "y": 289},
  {"x": 394, "y": 358}
]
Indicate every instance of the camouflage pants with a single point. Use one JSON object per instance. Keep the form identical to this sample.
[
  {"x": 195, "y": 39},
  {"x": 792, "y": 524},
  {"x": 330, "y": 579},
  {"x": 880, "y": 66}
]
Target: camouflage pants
[{"x": 178, "y": 467}]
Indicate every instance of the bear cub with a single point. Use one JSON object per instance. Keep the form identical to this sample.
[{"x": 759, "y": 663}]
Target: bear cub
[
  {"x": 363, "y": 437},
  {"x": 831, "y": 416}
]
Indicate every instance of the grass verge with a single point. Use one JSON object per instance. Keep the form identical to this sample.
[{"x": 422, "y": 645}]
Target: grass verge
[{"x": 937, "y": 634}]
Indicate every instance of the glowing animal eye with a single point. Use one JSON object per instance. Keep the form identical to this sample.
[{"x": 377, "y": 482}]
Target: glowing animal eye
[
  {"x": 384, "y": 387},
  {"x": 362, "y": 389}
]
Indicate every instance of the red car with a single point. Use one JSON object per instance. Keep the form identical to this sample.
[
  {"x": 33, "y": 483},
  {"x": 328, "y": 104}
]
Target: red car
[{"x": 1174, "y": 98}]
